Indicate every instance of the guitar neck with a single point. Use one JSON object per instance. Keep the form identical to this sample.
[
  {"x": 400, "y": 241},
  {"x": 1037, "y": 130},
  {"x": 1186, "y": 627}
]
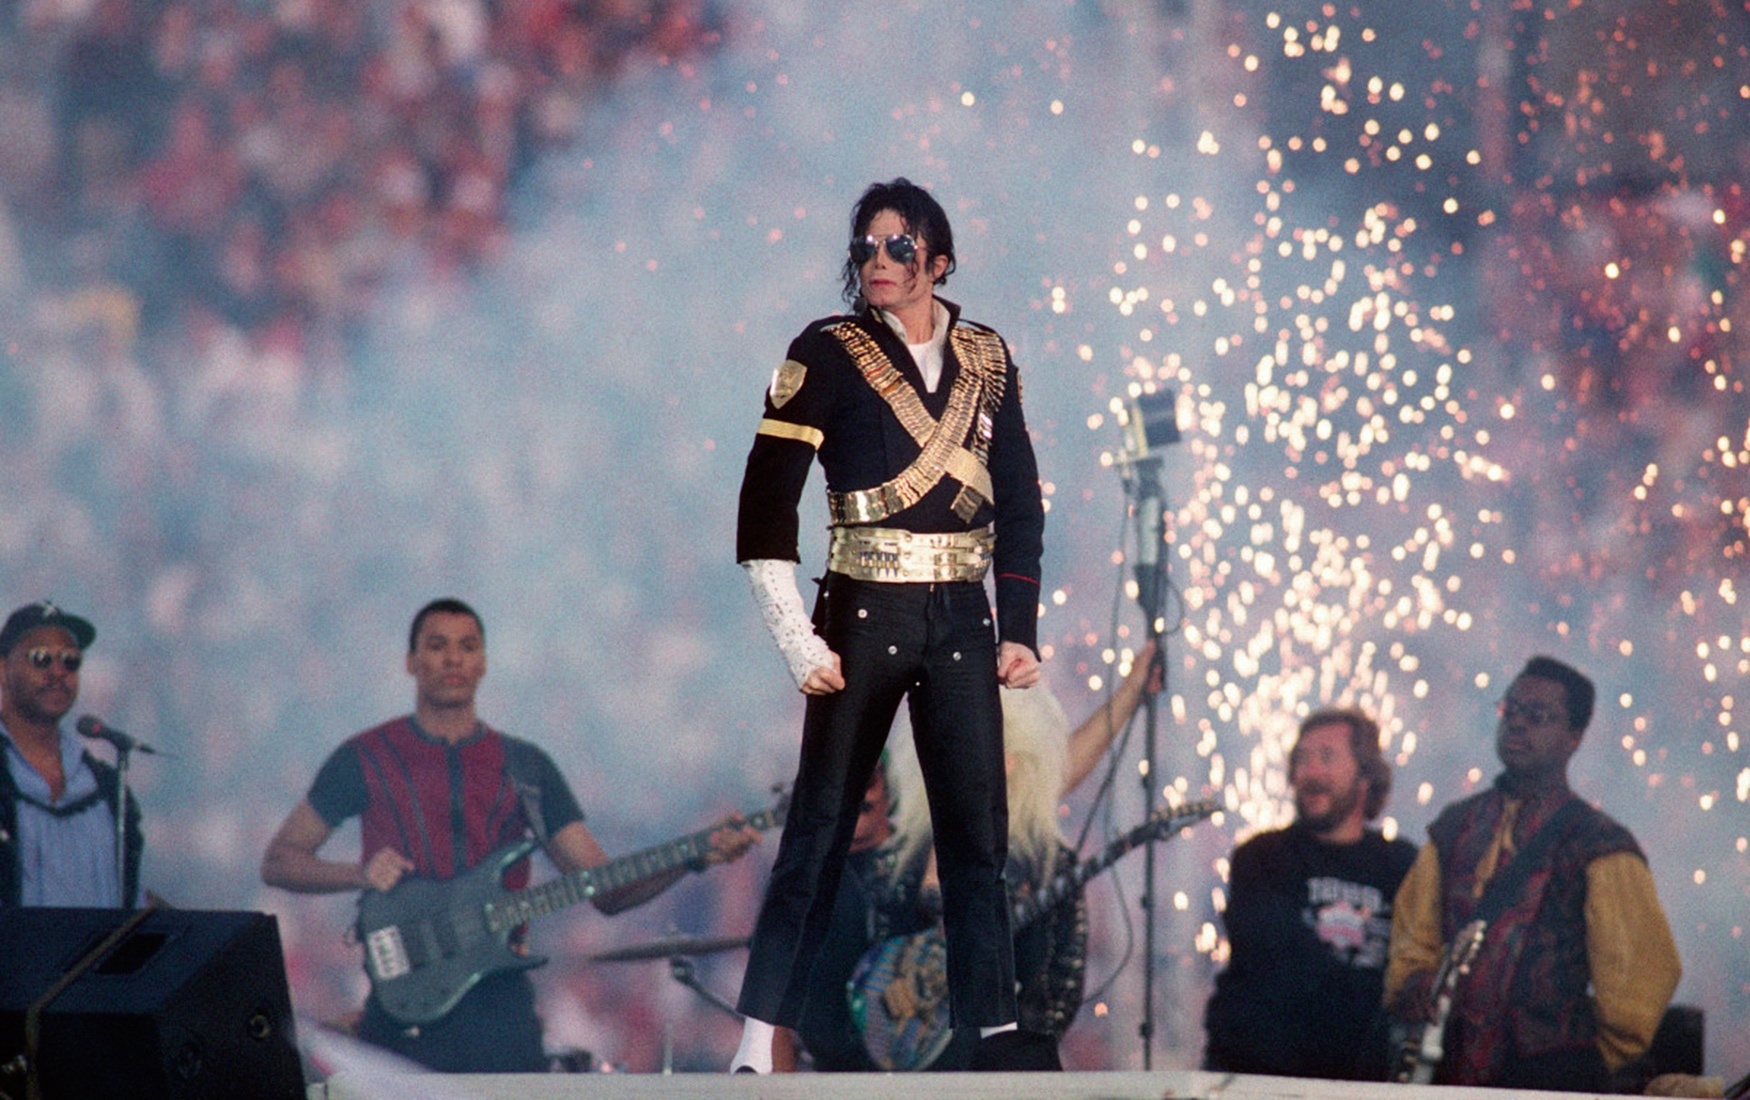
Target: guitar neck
[
  {"x": 1161, "y": 823},
  {"x": 575, "y": 887}
]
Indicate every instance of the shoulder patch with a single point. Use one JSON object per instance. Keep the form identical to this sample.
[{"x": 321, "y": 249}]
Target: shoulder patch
[{"x": 786, "y": 380}]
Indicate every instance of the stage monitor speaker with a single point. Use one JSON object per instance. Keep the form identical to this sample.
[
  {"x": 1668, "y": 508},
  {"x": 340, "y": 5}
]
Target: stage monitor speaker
[
  {"x": 1677, "y": 1045},
  {"x": 187, "y": 1005}
]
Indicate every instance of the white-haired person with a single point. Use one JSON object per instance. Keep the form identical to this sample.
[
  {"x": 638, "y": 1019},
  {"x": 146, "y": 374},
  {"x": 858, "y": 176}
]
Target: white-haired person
[{"x": 894, "y": 892}]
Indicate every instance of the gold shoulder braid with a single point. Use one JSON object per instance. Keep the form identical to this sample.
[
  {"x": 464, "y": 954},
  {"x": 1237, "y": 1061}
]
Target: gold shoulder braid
[
  {"x": 940, "y": 448},
  {"x": 980, "y": 352}
]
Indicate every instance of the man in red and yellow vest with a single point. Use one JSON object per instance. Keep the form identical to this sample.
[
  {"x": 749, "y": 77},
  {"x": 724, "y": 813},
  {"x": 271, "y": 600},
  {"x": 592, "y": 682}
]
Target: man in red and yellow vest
[{"x": 1574, "y": 974}]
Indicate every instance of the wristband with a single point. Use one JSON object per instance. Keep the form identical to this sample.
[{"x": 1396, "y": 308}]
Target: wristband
[{"x": 780, "y": 603}]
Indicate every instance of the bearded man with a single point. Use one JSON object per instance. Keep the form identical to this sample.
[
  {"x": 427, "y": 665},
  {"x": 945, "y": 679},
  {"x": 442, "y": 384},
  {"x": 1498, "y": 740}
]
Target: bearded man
[{"x": 1309, "y": 918}]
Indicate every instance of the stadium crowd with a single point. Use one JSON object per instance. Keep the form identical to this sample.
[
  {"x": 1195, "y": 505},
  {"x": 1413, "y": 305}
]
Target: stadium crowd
[{"x": 175, "y": 165}]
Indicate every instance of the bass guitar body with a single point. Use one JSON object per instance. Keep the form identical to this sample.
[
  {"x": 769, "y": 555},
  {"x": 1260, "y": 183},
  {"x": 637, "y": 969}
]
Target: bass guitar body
[{"x": 428, "y": 942}]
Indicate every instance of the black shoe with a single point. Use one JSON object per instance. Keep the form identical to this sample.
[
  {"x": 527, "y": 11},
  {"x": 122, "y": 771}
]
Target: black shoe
[{"x": 1017, "y": 1052}]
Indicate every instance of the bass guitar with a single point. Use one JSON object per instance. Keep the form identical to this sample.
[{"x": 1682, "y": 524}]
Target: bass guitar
[
  {"x": 1421, "y": 1056},
  {"x": 428, "y": 942},
  {"x": 899, "y": 991}
]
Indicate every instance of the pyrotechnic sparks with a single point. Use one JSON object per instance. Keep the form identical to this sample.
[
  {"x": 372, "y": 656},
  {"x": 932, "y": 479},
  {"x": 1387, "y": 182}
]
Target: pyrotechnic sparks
[
  {"x": 1322, "y": 582},
  {"x": 1503, "y": 374}
]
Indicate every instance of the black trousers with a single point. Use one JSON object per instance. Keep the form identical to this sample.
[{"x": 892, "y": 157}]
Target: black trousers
[
  {"x": 935, "y": 644},
  {"x": 492, "y": 1029}
]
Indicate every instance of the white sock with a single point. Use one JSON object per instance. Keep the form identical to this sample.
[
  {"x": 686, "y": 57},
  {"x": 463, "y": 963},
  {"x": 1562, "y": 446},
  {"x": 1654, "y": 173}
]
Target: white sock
[
  {"x": 987, "y": 1032},
  {"x": 755, "y": 1051}
]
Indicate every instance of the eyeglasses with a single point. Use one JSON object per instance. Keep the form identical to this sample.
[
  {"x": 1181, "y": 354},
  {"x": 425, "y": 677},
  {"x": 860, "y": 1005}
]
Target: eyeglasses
[
  {"x": 41, "y": 659},
  {"x": 901, "y": 249},
  {"x": 1510, "y": 709}
]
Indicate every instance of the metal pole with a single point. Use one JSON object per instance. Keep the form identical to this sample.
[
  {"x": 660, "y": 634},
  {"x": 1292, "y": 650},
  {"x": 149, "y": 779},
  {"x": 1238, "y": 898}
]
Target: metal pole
[
  {"x": 1151, "y": 589},
  {"x": 121, "y": 827}
]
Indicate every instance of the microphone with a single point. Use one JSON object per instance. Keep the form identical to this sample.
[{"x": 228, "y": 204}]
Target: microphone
[
  {"x": 1150, "y": 423},
  {"x": 91, "y": 726}
]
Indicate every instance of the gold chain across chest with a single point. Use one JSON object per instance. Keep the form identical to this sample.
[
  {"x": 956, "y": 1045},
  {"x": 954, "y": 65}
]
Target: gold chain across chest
[{"x": 972, "y": 404}]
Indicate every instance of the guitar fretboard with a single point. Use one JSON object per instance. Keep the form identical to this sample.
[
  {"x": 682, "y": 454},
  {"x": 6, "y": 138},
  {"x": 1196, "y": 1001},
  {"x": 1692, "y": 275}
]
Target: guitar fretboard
[
  {"x": 1160, "y": 824},
  {"x": 519, "y": 906}
]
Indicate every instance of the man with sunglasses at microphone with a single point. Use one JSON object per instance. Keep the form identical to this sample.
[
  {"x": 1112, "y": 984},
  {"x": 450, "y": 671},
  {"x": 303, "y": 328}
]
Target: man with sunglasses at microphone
[
  {"x": 915, "y": 415},
  {"x": 57, "y": 801}
]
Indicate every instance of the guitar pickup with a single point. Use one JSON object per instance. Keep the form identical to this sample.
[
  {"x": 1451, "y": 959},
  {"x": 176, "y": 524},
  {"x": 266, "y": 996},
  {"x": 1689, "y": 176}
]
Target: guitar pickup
[{"x": 387, "y": 954}]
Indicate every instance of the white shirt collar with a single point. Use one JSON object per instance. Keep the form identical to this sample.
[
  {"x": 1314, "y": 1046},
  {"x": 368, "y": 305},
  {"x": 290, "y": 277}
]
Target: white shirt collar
[
  {"x": 928, "y": 356},
  {"x": 939, "y": 319}
]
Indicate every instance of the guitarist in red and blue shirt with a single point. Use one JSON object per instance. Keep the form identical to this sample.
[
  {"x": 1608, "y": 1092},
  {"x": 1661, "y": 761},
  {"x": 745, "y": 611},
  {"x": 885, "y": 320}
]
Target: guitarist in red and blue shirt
[{"x": 437, "y": 792}]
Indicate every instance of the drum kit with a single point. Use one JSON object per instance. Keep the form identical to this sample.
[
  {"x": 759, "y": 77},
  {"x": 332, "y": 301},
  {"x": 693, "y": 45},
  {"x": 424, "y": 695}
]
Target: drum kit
[
  {"x": 680, "y": 950},
  {"x": 671, "y": 947}
]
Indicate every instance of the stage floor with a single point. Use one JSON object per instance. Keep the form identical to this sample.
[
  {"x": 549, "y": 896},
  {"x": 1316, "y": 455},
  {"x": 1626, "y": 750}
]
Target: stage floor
[{"x": 1162, "y": 1085}]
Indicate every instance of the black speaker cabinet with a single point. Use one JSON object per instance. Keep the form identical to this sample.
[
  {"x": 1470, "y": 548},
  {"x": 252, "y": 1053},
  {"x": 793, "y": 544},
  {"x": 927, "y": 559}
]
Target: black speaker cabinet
[
  {"x": 188, "y": 1005},
  {"x": 1677, "y": 1045}
]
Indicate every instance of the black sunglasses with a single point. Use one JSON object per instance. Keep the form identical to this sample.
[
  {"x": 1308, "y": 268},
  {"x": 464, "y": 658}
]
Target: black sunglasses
[
  {"x": 41, "y": 659},
  {"x": 901, "y": 249}
]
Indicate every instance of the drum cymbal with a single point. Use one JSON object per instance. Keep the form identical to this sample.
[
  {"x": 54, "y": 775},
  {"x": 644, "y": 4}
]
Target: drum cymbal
[{"x": 670, "y": 947}]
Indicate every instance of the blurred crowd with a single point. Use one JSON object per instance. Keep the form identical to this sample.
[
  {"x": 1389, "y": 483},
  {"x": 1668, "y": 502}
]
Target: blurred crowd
[
  {"x": 264, "y": 165},
  {"x": 1627, "y": 323},
  {"x": 1618, "y": 291}
]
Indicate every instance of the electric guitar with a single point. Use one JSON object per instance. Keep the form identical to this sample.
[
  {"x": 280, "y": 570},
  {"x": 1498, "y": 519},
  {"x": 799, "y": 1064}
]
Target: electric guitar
[
  {"x": 428, "y": 942},
  {"x": 898, "y": 994},
  {"x": 1422, "y": 1054}
]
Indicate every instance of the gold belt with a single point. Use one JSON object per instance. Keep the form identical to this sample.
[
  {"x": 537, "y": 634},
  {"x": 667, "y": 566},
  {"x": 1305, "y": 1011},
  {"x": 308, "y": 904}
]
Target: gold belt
[{"x": 886, "y": 554}]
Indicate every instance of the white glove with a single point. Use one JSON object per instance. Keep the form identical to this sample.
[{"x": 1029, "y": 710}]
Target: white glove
[{"x": 780, "y": 603}]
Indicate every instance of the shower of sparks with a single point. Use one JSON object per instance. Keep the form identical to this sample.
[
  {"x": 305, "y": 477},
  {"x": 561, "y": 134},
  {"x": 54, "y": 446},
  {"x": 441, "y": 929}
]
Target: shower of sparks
[{"x": 1510, "y": 370}]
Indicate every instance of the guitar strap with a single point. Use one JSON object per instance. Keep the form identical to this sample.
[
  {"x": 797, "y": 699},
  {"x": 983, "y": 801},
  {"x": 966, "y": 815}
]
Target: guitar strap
[
  {"x": 1503, "y": 890},
  {"x": 516, "y": 772}
]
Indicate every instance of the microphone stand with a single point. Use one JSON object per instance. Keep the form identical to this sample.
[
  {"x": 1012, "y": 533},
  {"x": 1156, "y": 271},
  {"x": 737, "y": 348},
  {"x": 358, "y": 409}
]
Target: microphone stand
[
  {"x": 124, "y": 746},
  {"x": 122, "y": 754},
  {"x": 1143, "y": 483}
]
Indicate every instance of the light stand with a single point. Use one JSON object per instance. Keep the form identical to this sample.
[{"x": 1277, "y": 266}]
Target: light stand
[{"x": 1150, "y": 424}]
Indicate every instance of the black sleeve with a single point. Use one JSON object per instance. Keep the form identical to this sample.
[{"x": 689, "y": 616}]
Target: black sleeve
[
  {"x": 1257, "y": 993},
  {"x": 338, "y": 791},
  {"x": 782, "y": 453},
  {"x": 1254, "y": 917},
  {"x": 1020, "y": 519}
]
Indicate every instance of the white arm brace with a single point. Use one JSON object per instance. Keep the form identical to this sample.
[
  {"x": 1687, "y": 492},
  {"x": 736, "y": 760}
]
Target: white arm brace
[{"x": 780, "y": 603}]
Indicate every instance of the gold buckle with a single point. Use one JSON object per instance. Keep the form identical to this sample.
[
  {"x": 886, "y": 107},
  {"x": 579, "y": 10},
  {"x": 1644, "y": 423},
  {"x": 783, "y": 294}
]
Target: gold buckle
[{"x": 894, "y": 556}]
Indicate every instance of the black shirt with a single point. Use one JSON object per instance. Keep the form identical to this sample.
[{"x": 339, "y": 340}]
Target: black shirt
[{"x": 1309, "y": 924}]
